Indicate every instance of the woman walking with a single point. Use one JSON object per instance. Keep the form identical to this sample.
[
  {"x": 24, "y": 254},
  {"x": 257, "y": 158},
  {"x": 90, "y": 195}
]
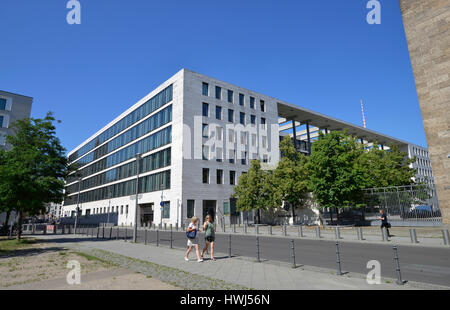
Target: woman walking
[
  {"x": 191, "y": 234},
  {"x": 209, "y": 229}
]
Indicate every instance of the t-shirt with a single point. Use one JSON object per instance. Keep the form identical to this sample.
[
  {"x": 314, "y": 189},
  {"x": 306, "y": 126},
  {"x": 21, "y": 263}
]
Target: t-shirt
[
  {"x": 209, "y": 230},
  {"x": 384, "y": 218},
  {"x": 191, "y": 225}
]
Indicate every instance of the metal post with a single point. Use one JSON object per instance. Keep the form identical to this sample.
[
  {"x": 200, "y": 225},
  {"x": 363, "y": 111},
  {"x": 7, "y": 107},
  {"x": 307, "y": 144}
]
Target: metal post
[
  {"x": 117, "y": 233},
  {"x": 157, "y": 237},
  {"x": 258, "y": 258},
  {"x": 384, "y": 234},
  {"x": 165, "y": 226},
  {"x": 245, "y": 228},
  {"x": 359, "y": 233},
  {"x": 300, "y": 231},
  {"x": 145, "y": 236},
  {"x": 337, "y": 232},
  {"x": 234, "y": 228},
  {"x": 256, "y": 229},
  {"x": 110, "y": 233},
  {"x": 77, "y": 210},
  {"x": 103, "y": 231},
  {"x": 293, "y": 254},
  {"x": 338, "y": 260},
  {"x": 229, "y": 246},
  {"x": 284, "y": 230},
  {"x": 446, "y": 236},
  {"x": 223, "y": 226},
  {"x": 138, "y": 161},
  {"x": 318, "y": 232},
  {"x": 412, "y": 233},
  {"x": 171, "y": 236},
  {"x": 397, "y": 266},
  {"x": 98, "y": 231},
  {"x": 269, "y": 229},
  {"x": 176, "y": 226},
  {"x": 125, "y": 238}
]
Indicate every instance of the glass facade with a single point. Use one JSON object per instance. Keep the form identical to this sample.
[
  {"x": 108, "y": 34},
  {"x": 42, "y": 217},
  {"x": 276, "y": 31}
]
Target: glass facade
[
  {"x": 154, "y": 182},
  {"x": 1, "y": 121},
  {"x": 150, "y": 106}
]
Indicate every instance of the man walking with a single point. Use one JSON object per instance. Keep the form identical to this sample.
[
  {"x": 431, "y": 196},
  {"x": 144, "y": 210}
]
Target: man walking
[{"x": 384, "y": 222}]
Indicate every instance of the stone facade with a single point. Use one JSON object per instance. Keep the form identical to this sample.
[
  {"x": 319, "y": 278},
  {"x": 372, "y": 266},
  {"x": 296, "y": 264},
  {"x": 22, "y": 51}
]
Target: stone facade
[{"x": 427, "y": 28}]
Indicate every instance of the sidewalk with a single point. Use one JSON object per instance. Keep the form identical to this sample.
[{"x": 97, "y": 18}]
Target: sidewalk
[{"x": 238, "y": 271}]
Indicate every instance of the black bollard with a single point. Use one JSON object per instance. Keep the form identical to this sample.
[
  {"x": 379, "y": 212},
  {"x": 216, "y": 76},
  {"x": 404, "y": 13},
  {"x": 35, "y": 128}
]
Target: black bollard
[
  {"x": 258, "y": 258},
  {"x": 300, "y": 231},
  {"x": 294, "y": 265},
  {"x": 269, "y": 230},
  {"x": 171, "y": 237},
  {"x": 157, "y": 237},
  {"x": 229, "y": 246},
  {"x": 110, "y": 233},
  {"x": 338, "y": 260},
  {"x": 413, "y": 234},
  {"x": 117, "y": 233},
  {"x": 397, "y": 266},
  {"x": 359, "y": 233},
  {"x": 125, "y": 238},
  {"x": 145, "y": 236}
]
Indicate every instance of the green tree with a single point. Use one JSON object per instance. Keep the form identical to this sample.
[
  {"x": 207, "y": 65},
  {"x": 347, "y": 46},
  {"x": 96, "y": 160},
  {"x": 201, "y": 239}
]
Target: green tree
[
  {"x": 251, "y": 191},
  {"x": 335, "y": 177},
  {"x": 290, "y": 178},
  {"x": 33, "y": 171}
]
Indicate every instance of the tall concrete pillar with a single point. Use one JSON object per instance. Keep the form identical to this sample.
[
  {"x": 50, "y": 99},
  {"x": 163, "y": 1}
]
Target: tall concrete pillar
[{"x": 427, "y": 31}]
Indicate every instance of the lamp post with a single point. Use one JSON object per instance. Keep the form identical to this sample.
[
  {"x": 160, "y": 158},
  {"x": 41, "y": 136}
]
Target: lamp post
[
  {"x": 109, "y": 207},
  {"x": 78, "y": 208},
  {"x": 138, "y": 160},
  {"x": 161, "y": 205}
]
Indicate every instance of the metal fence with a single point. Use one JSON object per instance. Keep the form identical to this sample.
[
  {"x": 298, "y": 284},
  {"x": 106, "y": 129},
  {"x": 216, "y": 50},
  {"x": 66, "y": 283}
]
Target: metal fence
[{"x": 404, "y": 205}]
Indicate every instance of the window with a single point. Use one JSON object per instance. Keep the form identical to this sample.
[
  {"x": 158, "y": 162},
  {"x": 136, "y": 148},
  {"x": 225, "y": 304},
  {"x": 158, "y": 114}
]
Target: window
[
  {"x": 121, "y": 209},
  {"x": 243, "y": 137},
  {"x": 252, "y": 102},
  {"x": 241, "y": 99},
  {"x": 2, "y": 104},
  {"x": 205, "y": 109},
  {"x": 166, "y": 210},
  {"x": 219, "y": 154},
  {"x": 205, "y": 152},
  {"x": 190, "y": 208},
  {"x": 205, "y": 175},
  {"x": 253, "y": 119},
  {"x": 218, "y": 92},
  {"x": 231, "y": 156},
  {"x": 219, "y": 176},
  {"x": 242, "y": 118},
  {"x": 205, "y": 89},
  {"x": 1, "y": 121},
  {"x": 205, "y": 133},
  {"x": 253, "y": 139},
  {"x": 232, "y": 177},
  {"x": 88, "y": 212},
  {"x": 265, "y": 158},
  {"x": 263, "y": 105},
  {"x": 230, "y": 135},
  {"x": 244, "y": 158},
  {"x": 230, "y": 96},
  {"x": 264, "y": 141},
  {"x": 230, "y": 115},
  {"x": 218, "y": 112},
  {"x": 219, "y": 133},
  {"x": 263, "y": 123},
  {"x": 126, "y": 209}
]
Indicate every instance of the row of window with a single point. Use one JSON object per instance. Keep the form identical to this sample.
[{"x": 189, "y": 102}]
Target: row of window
[
  {"x": 151, "y": 162},
  {"x": 242, "y": 120},
  {"x": 150, "y": 143},
  {"x": 229, "y": 208},
  {"x": 244, "y": 135},
  {"x": 230, "y": 97},
  {"x": 423, "y": 162},
  {"x": 150, "y": 183},
  {"x": 420, "y": 152},
  {"x": 150, "y": 106},
  {"x": 218, "y": 154},
  {"x": 160, "y": 119},
  {"x": 219, "y": 176},
  {"x": 1, "y": 121}
]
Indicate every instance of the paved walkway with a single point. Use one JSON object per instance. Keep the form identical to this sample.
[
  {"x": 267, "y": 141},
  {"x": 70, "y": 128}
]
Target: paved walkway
[{"x": 237, "y": 270}]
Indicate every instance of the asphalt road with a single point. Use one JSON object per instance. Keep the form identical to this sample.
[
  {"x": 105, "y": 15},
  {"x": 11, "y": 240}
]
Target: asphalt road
[{"x": 421, "y": 264}]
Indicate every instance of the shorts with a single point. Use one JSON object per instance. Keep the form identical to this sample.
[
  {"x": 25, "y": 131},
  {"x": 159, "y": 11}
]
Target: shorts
[
  {"x": 192, "y": 242},
  {"x": 210, "y": 238}
]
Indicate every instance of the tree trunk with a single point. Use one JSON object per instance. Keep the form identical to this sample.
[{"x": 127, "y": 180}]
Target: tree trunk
[
  {"x": 337, "y": 215},
  {"x": 293, "y": 214},
  {"x": 259, "y": 216},
  {"x": 19, "y": 226},
  {"x": 8, "y": 214}
]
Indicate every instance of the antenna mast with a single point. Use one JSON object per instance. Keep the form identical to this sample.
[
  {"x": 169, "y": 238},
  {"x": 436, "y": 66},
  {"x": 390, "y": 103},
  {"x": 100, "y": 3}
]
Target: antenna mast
[{"x": 362, "y": 110}]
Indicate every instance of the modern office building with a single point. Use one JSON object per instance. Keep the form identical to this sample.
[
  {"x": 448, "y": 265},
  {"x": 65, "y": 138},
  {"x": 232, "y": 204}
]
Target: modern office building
[
  {"x": 195, "y": 136},
  {"x": 12, "y": 108},
  {"x": 427, "y": 32}
]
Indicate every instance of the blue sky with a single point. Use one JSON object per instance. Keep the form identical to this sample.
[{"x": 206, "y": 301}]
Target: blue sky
[{"x": 321, "y": 55}]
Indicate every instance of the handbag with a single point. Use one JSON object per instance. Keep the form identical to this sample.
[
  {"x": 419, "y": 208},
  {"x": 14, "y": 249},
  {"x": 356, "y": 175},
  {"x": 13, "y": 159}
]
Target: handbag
[
  {"x": 388, "y": 225},
  {"x": 191, "y": 234}
]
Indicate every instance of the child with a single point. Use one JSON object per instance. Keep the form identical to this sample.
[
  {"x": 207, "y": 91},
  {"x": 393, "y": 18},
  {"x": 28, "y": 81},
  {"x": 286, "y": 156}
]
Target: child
[
  {"x": 209, "y": 229},
  {"x": 191, "y": 234}
]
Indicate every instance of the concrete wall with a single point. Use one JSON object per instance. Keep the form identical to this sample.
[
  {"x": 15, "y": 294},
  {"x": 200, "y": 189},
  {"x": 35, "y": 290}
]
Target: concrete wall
[{"x": 427, "y": 31}]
